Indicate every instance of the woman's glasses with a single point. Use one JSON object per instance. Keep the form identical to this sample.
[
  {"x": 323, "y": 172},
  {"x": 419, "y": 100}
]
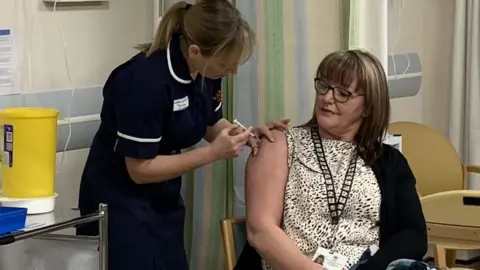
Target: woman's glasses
[{"x": 339, "y": 94}]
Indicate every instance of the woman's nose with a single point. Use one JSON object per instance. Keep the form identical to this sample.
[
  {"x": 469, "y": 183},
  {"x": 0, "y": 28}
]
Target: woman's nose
[{"x": 329, "y": 96}]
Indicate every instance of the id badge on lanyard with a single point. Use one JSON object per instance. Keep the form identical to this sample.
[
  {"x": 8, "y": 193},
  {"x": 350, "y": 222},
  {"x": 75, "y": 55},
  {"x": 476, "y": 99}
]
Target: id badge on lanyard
[{"x": 330, "y": 260}]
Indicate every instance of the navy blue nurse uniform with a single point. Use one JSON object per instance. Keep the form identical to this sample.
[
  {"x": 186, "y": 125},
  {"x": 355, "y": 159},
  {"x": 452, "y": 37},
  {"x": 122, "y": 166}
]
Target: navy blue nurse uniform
[{"x": 151, "y": 107}]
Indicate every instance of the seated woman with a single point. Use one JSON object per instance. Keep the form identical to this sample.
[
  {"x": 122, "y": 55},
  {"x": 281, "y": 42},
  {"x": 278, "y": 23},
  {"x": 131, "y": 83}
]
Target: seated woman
[{"x": 331, "y": 184}]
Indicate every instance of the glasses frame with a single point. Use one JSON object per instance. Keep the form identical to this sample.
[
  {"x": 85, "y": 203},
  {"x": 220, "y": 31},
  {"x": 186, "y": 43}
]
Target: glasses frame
[{"x": 334, "y": 89}]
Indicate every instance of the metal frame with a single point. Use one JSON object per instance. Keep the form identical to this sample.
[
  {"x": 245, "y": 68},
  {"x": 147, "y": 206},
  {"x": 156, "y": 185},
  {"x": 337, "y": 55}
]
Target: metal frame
[{"x": 44, "y": 233}]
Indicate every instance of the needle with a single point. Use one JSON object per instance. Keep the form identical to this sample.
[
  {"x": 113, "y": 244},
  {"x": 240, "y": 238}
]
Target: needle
[{"x": 242, "y": 126}]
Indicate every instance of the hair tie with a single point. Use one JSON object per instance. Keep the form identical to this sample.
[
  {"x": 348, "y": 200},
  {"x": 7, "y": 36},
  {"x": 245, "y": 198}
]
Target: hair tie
[{"x": 187, "y": 6}]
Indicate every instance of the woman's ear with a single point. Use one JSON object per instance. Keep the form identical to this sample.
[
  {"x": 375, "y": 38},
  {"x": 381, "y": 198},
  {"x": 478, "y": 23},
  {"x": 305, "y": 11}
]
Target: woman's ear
[{"x": 194, "y": 51}]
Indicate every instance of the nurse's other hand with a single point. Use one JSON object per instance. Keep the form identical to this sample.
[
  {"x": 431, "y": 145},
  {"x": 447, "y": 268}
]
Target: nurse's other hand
[
  {"x": 264, "y": 131},
  {"x": 227, "y": 145}
]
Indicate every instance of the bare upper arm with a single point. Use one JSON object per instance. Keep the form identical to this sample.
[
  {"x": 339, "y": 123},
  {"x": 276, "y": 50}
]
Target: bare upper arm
[{"x": 265, "y": 180}]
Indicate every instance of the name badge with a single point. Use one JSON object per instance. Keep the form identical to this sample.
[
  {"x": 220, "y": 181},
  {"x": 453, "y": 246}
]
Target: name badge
[
  {"x": 330, "y": 260},
  {"x": 180, "y": 104}
]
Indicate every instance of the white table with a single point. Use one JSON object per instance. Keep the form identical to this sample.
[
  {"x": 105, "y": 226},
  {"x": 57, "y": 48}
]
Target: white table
[{"x": 38, "y": 237}]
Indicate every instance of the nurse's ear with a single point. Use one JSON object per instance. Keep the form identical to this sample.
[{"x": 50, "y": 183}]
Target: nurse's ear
[{"x": 194, "y": 52}]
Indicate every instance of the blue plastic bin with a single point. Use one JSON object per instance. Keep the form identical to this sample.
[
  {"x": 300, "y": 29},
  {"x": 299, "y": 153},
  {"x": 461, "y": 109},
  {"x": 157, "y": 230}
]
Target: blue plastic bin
[{"x": 12, "y": 219}]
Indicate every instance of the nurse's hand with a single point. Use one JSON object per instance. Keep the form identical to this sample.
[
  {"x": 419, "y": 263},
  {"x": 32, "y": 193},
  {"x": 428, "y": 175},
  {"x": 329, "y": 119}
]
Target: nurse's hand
[
  {"x": 264, "y": 131},
  {"x": 227, "y": 145}
]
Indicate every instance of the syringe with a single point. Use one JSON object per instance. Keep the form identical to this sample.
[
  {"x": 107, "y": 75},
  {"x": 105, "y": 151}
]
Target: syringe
[{"x": 235, "y": 121}]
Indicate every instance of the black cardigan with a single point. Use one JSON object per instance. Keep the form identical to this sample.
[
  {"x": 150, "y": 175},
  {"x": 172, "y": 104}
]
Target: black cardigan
[{"x": 403, "y": 233}]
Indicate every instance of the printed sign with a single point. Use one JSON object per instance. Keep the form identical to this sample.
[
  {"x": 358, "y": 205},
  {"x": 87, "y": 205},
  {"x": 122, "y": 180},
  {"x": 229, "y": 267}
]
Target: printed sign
[
  {"x": 2, "y": 143},
  {"x": 7, "y": 158}
]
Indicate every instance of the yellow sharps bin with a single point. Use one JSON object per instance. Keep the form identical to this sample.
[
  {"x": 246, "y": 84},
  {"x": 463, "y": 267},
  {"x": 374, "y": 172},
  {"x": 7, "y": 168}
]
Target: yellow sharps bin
[{"x": 28, "y": 148}]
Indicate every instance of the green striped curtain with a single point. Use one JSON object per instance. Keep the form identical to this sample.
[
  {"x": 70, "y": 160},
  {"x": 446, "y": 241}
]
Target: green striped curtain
[
  {"x": 209, "y": 192},
  {"x": 277, "y": 82},
  {"x": 208, "y": 195},
  {"x": 367, "y": 28},
  {"x": 259, "y": 87},
  {"x": 353, "y": 22},
  {"x": 273, "y": 51}
]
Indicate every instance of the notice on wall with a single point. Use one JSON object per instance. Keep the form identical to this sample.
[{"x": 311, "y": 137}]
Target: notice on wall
[{"x": 9, "y": 63}]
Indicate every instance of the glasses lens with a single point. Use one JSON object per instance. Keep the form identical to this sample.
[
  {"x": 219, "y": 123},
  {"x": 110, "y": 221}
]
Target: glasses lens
[
  {"x": 341, "y": 95},
  {"x": 321, "y": 87}
]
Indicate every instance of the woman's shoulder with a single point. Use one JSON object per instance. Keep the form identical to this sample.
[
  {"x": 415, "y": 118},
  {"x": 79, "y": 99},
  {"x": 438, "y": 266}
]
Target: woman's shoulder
[
  {"x": 391, "y": 163},
  {"x": 390, "y": 155},
  {"x": 298, "y": 133},
  {"x": 285, "y": 141},
  {"x": 291, "y": 134}
]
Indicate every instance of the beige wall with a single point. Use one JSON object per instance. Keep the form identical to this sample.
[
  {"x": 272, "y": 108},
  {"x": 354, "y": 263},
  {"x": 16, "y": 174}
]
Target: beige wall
[
  {"x": 426, "y": 29},
  {"x": 98, "y": 37},
  {"x": 325, "y": 22}
]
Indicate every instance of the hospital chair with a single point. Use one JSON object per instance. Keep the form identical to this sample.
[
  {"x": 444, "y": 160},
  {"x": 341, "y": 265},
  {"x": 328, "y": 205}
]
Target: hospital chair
[
  {"x": 456, "y": 226},
  {"x": 234, "y": 238},
  {"x": 451, "y": 211}
]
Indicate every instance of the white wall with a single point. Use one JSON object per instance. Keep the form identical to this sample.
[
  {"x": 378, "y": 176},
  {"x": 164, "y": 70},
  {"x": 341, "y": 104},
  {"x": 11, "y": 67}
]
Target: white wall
[
  {"x": 98, "y": 38},
  {"x": 426, "y": 28}
]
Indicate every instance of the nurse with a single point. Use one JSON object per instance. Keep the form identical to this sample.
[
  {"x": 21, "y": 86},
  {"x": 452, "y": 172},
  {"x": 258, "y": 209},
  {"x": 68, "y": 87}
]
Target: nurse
[{"x": 165, "y": 99}]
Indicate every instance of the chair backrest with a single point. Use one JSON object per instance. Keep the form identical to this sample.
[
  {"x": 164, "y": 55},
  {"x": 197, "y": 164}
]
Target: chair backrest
[
  {"x": 234, "y": 236},
  {"x": 433, "y": 159}
]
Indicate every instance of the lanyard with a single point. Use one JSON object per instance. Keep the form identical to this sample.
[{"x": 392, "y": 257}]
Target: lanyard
[{"x": 335, "y": 206}]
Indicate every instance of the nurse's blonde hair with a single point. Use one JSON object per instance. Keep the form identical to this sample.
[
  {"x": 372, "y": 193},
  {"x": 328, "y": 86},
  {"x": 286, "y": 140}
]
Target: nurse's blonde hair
[{"x": 215, "y": 26}]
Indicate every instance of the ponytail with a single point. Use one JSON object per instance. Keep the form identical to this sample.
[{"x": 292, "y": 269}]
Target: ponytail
[{"x": 171, "y": 21}]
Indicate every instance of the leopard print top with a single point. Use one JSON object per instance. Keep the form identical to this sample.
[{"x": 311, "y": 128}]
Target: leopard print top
[{"x": 306, "y": 219}]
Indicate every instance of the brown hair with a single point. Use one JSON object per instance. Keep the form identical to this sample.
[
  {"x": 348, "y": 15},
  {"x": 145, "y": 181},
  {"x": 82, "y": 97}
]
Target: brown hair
[
  {"x": 213, "y": 25},
  {"x": 346, "y": 66}
]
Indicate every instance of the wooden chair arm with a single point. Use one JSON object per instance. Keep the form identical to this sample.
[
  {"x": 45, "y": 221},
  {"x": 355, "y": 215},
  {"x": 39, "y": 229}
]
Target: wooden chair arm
[
  {"x": 472, "y": 168},
  {"x": 469, "y": 169}
]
